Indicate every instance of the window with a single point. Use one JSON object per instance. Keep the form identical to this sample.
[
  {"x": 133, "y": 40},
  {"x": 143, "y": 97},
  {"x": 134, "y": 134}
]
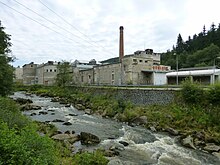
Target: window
[
  {"x": 55, "y": 70},
  {"x": 134, "y": 60},
  {"x": 82, "y": 78},
  {"x": 47, "y": 70},
  {"x": 51, "y": 70},
  {"x": 140, "y": 60},
  {"x": 146, "y": 61},
  {"x": 113, "y": 76}
]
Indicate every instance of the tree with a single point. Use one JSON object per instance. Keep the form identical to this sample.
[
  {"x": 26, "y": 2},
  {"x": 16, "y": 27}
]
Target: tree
[
  {"x": 64, "y": 76},
  {"x": 6, "y": 70}
]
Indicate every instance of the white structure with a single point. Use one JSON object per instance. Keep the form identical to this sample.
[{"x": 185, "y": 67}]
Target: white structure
[{"x": 204, "y": 76}]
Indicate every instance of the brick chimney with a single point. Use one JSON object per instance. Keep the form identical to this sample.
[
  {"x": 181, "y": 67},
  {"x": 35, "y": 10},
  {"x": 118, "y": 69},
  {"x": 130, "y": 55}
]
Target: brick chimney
[{"x": 121, "y": 43}]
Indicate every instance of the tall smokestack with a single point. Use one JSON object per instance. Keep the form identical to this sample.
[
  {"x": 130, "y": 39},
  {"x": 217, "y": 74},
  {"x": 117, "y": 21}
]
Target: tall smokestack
[{"x": 121, "y": 43}]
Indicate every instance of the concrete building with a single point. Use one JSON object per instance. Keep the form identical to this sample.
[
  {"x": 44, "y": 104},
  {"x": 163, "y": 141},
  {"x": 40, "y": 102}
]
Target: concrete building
[
  {"x": 140, "y": 68},
  {"x": 203, "y": 75},
  {"x": 46, "y": 73},
  {"x": 29, "y": 73},
  {"x": 18, "y": 75}
]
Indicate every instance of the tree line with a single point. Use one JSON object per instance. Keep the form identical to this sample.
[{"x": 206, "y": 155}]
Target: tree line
[{"x": 198, "y": 51}]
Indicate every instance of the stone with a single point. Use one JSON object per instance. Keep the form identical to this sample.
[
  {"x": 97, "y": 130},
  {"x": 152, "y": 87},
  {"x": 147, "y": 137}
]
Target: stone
[
  {"x": 67, "y": 132},
  {"x": 172, "y": 131},
  {"x": 217, "y": 154},
  {"x": 58, "y": 120},
  {"x": 142, "y": 120},
  {"x": 88, "y": 138},
  {"x": 72, "y": 114},
  {"x": 111, "y": 153},
  {"x": 153, "y": 129},
  {"x": 42, "y": 113},
  {"x": 67, "y": 123},
  {"x": 55, "y": 99},
  {"x": 68, "y": 105},
  {"x": 124, "y": 143},
  {"x": 211, "y": 147},
  {"x": 79, "y": 107},
  {"x": 52, "y": 113},
  {"x": 51, "y": 110},
  {"x": 22, "y": 101},
  {"x": 33, "y": 114},
  {"x": 88, "y": 111},
  {"x": 188, "y": 142},
  {"x": 70, "y": 137},
  {"x": 27, "y": 107}
]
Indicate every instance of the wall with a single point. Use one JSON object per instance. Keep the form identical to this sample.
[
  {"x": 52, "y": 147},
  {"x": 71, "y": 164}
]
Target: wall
[
  {"x": 136, "y": 96},
  {"x": 29, "y": 73}
]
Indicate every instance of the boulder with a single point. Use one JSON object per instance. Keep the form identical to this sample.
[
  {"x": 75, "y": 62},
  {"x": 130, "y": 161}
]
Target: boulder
[
  {"x": 55, "y": 99},
  {"x": 211, "y": 147},
  {"x": 217, "y": 154},
  {"x": 58, "y": 120},
  {"x": 88, "y": 138},
  {"x": 67, "y": 123},
  {"x": 153, "y": 129},
  {"x": 188, "y": 142},
  {"x": 42, "y": 113},
  {"x": 142, "y": 120},
  {"x": 53, "y": 113},
  {"x": 72, "y": 114},
  {"x": 22, "y": 101},
  {"x": 172, "y": 131},
  {"x": 68, "y": 105},
  {"x": 33, "y": 114},
  {"x": 80, "y": 107},
  {"x": 124, "y": 143},
  {"x": 88, "y": 111},
  {"x": 27, "y": 107},
  {"x": 70, "y": 137}
]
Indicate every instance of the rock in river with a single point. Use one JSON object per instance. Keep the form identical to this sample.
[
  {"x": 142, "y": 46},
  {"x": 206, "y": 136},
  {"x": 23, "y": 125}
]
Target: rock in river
[{"x": 88, "y": 138}]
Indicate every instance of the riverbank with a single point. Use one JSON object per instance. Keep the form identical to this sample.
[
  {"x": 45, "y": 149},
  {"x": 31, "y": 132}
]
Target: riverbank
[
  {"x": 27, "y": 142},
  {"x": 195, "y": 126}
]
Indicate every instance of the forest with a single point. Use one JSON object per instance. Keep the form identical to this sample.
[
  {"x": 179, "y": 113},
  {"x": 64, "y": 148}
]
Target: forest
[{"x": 200, "y": 50}]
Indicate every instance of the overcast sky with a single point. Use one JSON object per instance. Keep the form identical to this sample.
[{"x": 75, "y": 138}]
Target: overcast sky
[{"x": 43, "y": 30}]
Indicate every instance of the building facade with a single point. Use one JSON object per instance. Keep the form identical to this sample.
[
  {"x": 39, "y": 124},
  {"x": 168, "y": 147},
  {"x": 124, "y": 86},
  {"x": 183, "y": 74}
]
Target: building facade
[
  {"x": 140, "y": 68},
  {"x": 29, "y": 73}
]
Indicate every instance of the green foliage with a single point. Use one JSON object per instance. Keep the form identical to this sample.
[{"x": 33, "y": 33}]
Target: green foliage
[
  {"x": 6, "y": 70},
  {"x": 192, "y": 93},
  {"x": 64, "y": 76},
  {"x": 86, "y": 158},
  {"x": 9, "y": 113},
  {"x": 199, "y": 50},
  {"x": 214, "y": 94},
  {"x": 25, "y": 147}
]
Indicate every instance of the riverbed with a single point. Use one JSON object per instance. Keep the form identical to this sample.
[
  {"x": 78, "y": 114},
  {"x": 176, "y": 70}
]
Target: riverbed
[{"x": 144, "y": 146}]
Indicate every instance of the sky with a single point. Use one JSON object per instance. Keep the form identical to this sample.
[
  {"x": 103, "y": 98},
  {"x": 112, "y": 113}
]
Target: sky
[{"x": 57, "y": 30}]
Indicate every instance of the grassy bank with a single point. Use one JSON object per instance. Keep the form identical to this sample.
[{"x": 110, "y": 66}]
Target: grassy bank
[
  {"x": 22, "y": 141},
  {"x": 194, "y": 111}
]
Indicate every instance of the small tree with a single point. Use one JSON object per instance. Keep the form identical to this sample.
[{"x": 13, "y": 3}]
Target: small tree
[
  {"x": 6, "y": 70},
  {"x": 64, "y": 76}
]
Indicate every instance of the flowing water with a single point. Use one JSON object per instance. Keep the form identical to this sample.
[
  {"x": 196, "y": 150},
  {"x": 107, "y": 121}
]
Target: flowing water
[{"x": 145, "y": 147}]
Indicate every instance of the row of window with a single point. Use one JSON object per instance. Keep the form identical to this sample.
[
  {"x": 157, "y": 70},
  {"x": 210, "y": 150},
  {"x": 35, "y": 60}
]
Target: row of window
[
  {"x": 51, "y": 70},
  {"x": 135, "y": 61}
]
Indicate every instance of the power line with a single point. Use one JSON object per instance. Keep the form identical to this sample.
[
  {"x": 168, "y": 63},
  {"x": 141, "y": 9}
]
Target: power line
[
  {"x": 48, "y": 20},
  {"x": 40, "y": 23},
  {"x": 72, "y": 25}
]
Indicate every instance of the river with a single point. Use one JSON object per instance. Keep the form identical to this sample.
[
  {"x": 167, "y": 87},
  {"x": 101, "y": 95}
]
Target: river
[{"x": 145, "y": 147}]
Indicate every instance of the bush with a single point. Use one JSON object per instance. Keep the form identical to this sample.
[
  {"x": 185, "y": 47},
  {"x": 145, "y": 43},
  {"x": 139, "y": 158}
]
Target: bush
[
  {"x": 214, "y": 94},
  {"x": 86, "y": 158},
  {"x": 10, "y": 114},
  {"x": 25, "y": 147},
  {"x": 191, "y": 93}
]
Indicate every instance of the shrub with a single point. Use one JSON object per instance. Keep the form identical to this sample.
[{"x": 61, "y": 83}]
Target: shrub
[
  {"x": 25, "y": 147},
  {"x": 86, "y": 158},
  {"x": 214, "y": 94},
  {"x": 192, "y": 93}
]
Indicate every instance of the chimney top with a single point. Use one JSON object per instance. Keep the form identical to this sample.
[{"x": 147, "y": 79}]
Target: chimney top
[{"x": 121, "y": 28}]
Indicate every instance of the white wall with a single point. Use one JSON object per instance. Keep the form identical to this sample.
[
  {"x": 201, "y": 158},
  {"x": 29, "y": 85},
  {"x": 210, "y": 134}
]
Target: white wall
[{"x": 160, "y": 78}]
